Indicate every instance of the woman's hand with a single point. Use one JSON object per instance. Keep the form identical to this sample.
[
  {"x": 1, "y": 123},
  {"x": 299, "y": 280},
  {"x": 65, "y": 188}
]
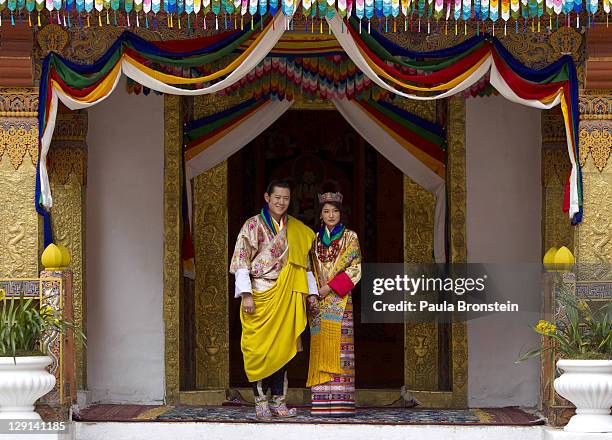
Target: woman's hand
[
  {"x": 324, "y": 291},
  {"x": 248, "y": 305},
  {"x": 313, "y": 304}
]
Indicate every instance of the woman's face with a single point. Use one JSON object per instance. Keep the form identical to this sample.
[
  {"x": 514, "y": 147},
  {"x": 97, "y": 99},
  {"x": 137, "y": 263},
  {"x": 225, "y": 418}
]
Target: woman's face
[{"x": 330, "y": 215}]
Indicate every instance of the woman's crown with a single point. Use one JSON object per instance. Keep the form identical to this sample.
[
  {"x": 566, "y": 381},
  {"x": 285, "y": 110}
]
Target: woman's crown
[{"x": 330, "y": 197}]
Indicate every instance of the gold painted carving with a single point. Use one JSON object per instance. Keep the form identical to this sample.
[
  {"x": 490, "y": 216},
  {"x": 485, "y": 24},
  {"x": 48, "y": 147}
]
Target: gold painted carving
[
  {"x": 68, "y": 224},
  {"x": 71, "y": 126},
  {"x": 568, "y": 41},
  {"x": 210, "y": 242},
  {"x": 18, "y": 221},
  {"x": 423, "y": 109},
  {"x": 420, "y": 340},
  {"x": 206, "y": 105},
  {"x": 65, "y": 160},
  {"x": 419, "y": 207},
  {"x": 557, "y": 228},
  {"x": 18, "y": 136},
  {"x": 595, "y": 139},
  {"x": 456, "y": 175},
  {"x": 595, "y": 106},
  {"x": 52, "y": 38},
  {"x": 594, "y": 234},
  {"x": 172, "y": 240},
  {"x": 18, "y": 102},
  {"x": 553, "y": 127}
]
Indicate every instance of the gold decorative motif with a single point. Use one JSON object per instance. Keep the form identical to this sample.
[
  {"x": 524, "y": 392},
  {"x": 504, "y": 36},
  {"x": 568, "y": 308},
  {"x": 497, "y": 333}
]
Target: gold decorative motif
[
  {"x": 556, "y": 226},
  {"x": 18, "y": 102},
  {"x": 211, "y": 262},
  {"x": 424, "y": 109},
  {"x": 18, "y": 221},
  {"x": 595, "y": 138},
  {"x": 18, "y": 136},
  {"x": 595, "y": 107},
  {"x": 553, "y": 127},
  {"x": 420, "y": 340},
  {"x": 66, "y": 159},
  {"x": 172, "y": 240},
  {"x": 594, "y": 235},
  {"x": 456, "y": 175},
  {"x": 421, "y": 356},
  {"x": 52, "y": 38},
  {"x": 568, "y": 41},
  {"x": 69, "y": 230},
  {"x": 419, "y": 208},
  {"x": 71, "y": 126},
  {"x": 205, "y": 105}
]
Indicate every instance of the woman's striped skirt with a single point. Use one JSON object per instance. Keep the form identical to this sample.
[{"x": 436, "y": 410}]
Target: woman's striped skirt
[{"x": 336, "y": 398}]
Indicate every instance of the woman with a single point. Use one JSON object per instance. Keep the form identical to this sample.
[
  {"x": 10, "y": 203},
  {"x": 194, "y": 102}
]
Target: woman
[{"x": 337, "y": 266}]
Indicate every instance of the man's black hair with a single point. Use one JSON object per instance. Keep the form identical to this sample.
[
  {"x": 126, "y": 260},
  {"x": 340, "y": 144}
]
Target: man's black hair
[{"x": 277, "y": 184}]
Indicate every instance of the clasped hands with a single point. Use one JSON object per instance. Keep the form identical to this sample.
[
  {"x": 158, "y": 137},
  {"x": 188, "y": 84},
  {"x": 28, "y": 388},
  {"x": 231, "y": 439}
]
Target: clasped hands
[{"x": 248, "y": 305}]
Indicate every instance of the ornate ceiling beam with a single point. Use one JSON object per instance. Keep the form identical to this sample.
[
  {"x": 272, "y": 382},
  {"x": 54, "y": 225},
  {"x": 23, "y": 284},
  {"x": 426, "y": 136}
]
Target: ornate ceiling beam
[
  {"x": 16, "y": 56},
  {"x": 598, "y": 73}
]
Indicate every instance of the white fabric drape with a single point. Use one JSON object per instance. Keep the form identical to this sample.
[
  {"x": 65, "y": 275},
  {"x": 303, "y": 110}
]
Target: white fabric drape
[
  {"x": 370, "y": 130},
  {"x": 350, "y": 47},
  {"x": 395, "y": 153},
  {"x": 250, "y": 62},
  {"x": 248, "y": 129}
]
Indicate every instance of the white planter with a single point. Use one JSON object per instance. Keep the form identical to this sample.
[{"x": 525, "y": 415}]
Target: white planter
[
  {"x": 588, "y": 385},
  {"x": 23, "y": 380}
]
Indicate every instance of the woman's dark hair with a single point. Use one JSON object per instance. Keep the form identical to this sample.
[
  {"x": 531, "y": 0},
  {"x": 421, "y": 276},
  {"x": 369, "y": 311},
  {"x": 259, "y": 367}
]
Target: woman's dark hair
[
  {"x": 337, "y": 205},
  {"x": 277, "y": 184}
]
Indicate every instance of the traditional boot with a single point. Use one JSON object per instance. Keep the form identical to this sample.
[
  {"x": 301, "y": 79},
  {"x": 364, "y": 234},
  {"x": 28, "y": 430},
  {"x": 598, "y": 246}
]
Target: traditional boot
[
  {"x": 279, "y": 408},
  {"x": 262, "y": 408}
]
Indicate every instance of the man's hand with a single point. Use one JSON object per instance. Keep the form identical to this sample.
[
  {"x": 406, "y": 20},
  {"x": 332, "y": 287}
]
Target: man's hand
[
  {"x": 324, "y": 291},
  {"x": 248, "y": 305}
]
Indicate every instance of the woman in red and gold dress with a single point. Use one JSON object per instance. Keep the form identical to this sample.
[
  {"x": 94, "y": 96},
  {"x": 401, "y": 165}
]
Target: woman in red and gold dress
[{"x": 336, "y": 262}]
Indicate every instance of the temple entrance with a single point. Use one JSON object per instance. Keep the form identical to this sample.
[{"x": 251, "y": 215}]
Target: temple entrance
[
  {"x": 332, "y": 157},
  {"x": 426, "y": 359}
]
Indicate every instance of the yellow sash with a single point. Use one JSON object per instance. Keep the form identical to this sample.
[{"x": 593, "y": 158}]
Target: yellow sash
[{"x": 270, "y": 334}]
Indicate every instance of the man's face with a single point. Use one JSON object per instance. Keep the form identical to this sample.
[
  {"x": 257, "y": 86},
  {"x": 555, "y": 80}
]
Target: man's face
[{"x": 278, "y": 201}]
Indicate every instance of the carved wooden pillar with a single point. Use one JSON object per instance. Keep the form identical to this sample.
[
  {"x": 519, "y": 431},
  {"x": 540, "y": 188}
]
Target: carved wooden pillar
[
  {"x": 456, "y": 187},
  {"x": 173, "y": 136},
  {"x": 67, "y": 162},
  {"x": 56, "y": 291},
  {"x": 19, "y": 224},
  {"x": 421, "y": 344}
]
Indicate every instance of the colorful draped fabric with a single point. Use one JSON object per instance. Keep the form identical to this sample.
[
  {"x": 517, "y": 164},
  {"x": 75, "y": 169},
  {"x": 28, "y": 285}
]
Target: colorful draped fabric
[
  {"x": 424, "y": 140},
  {"x": 443, "y": 73},
  {"x": 214, "y": 64}
]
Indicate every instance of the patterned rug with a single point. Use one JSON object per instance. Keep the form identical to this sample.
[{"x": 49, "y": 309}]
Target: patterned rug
[{"x": 372, "y": 416}]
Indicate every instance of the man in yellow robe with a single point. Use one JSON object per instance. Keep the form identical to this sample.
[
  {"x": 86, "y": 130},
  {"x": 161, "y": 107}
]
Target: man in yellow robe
[{"x": 272, "y": 271}]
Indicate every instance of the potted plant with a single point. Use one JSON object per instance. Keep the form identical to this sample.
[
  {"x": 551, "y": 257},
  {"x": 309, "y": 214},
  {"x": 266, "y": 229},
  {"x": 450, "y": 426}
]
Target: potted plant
[
  {"x": 582, "y": 336},
  {"x": 23, "y": 374}
]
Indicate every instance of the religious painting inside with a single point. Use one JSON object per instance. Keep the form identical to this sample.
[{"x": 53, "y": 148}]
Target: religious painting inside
[{"x": 224, "y": 244}]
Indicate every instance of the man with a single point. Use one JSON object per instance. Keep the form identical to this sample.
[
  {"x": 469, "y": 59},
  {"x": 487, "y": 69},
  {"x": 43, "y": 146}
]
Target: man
[{"x": 272, "y": 271}]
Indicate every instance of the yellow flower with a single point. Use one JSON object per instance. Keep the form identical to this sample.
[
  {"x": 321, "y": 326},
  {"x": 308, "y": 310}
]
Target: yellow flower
[
  {"x": 2, "y": 294},
  {"x": 46, "y": 311},
  {"x": 545, "y": 327},
  {"x": 56, "y": 322},
  {"x": 582, "y": 305}
]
